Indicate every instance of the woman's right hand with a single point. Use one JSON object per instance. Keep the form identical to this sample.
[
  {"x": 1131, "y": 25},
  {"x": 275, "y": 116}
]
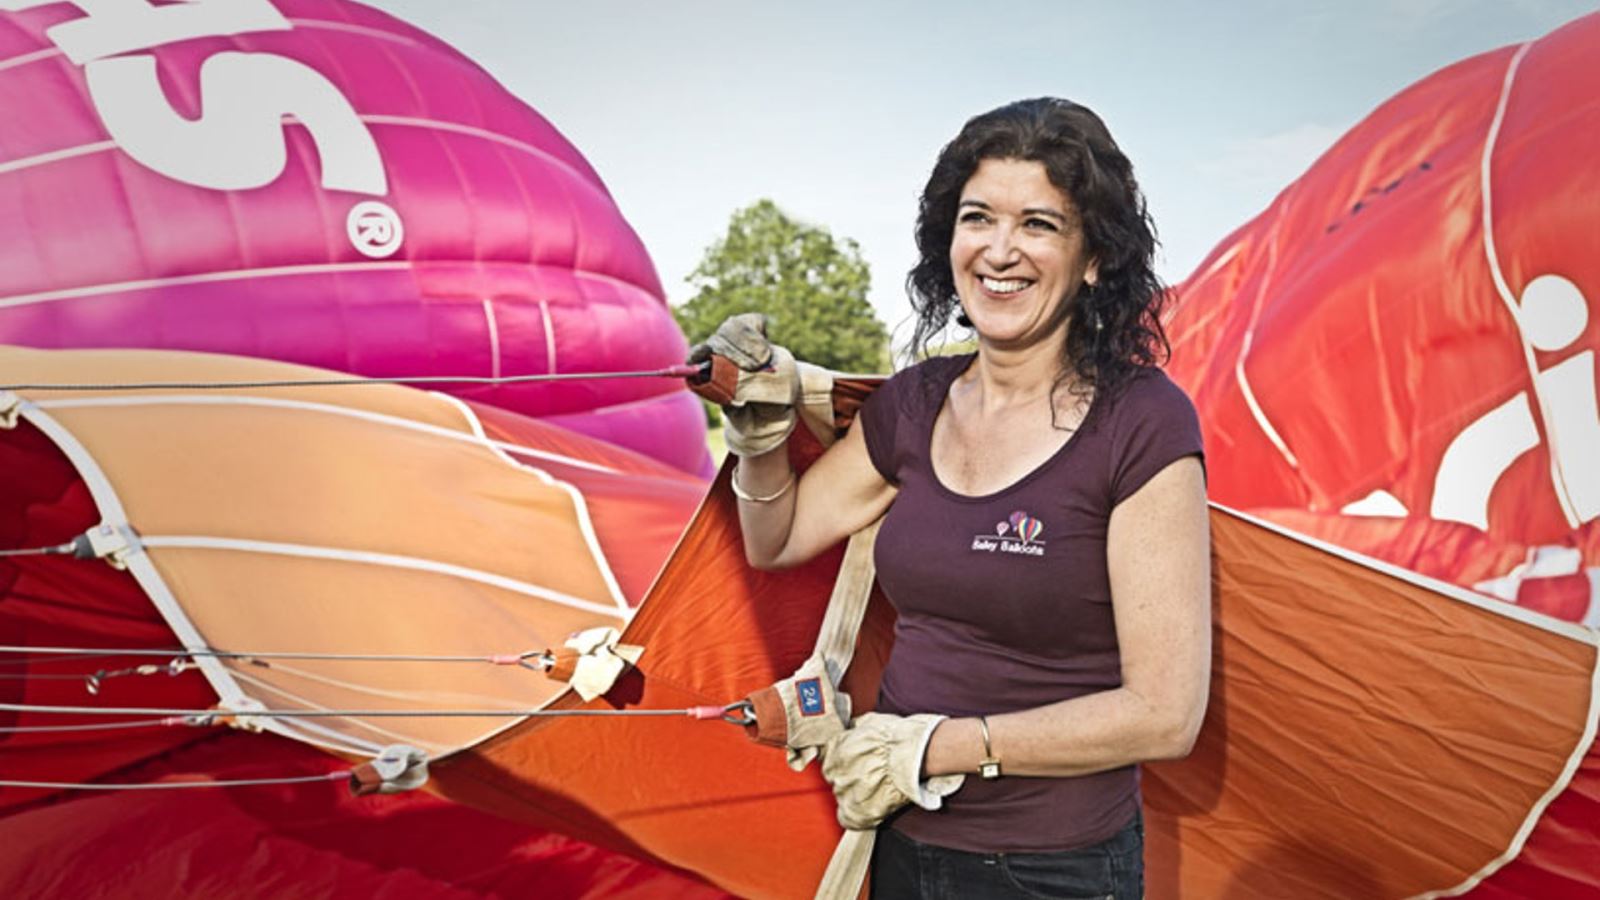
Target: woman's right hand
[
  {"x": 761, "y": 414},
  {"x": 840, "y": 494}
]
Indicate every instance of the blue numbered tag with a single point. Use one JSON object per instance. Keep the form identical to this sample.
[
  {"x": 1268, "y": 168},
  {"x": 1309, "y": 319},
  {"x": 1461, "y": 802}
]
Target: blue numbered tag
[{"x": 809, "y": 693}]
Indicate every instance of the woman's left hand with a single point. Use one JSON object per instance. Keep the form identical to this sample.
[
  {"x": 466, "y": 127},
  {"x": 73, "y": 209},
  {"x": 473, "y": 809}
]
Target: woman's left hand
[{"x": 875, "y": 768}]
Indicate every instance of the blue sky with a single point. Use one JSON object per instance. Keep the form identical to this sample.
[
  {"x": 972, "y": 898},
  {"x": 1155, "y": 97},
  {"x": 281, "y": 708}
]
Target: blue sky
[{"x": 692, "y": 109}]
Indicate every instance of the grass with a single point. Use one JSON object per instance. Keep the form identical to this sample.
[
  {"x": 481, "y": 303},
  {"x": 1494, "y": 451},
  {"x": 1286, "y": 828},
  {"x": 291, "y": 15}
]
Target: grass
[{"x": 716, "y": 444}]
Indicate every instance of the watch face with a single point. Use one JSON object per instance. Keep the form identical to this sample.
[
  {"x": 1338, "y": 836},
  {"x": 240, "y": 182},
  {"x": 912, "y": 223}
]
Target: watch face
[{"x": 989, "y": 769}]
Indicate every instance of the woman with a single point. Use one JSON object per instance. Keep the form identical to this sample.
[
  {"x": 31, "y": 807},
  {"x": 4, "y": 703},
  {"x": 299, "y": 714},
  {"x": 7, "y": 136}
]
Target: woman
[{"x": 1045, "y": 542}]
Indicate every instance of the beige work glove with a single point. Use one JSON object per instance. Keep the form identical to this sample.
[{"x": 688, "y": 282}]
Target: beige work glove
[
  {"x": 760, "y": 409},
  {"x": 800, "y": 713},
  {"x": 761, "y": 413},
  {"x": 875, "y": 768}
]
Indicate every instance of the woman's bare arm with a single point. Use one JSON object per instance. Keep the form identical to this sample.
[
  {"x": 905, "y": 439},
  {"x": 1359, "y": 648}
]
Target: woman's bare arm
[{"x": 839, "y": 495}]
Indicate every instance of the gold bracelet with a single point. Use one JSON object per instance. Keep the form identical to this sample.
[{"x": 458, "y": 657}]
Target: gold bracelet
[
  {"x": 989, "y": 766},
  {"x": 733, "y": 480}
]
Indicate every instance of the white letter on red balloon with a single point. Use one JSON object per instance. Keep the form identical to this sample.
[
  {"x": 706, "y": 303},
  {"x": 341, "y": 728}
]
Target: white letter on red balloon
[
  {"x": 111, "y": 27},
  {"x": 237, "y": 142}
]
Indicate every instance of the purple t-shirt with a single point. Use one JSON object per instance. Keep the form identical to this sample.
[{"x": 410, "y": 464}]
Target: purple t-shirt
[{"x": 1004, "y": 601}]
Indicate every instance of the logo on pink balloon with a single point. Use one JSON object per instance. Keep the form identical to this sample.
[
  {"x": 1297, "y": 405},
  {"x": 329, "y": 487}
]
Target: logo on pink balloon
[{"x": 237, "y": 143}]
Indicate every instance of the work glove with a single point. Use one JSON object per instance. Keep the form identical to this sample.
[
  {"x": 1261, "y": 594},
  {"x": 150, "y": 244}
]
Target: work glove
[
  {"x": 875, "y": 767},
  {"x": 760, "y": 407},
  {"x": 800, "y": 713}
]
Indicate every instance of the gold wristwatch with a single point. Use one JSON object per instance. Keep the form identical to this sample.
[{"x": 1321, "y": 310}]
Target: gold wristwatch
[{"x": 989, "y": 766}]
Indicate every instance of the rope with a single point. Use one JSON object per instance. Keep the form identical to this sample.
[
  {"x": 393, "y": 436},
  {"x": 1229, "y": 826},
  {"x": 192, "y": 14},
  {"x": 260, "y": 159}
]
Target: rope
[
  {"x": 98, "y": 726},
  {"x": 172, "y": 785},
  {"x": 683, "y": 371},
  {"x": 206, "y": 715},
  {"x": 291, "y": 698},
  {"x": 15, "y": 663},
  {"x": 99, "y": 652},
  {"x": 58, "y": 549}
]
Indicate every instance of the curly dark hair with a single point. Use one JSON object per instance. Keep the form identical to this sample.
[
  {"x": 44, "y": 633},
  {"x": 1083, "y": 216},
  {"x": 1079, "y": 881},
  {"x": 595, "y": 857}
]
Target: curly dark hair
[{"x": 1115, "y": 327}]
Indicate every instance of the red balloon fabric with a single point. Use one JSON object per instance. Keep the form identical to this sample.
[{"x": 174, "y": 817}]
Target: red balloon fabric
[{"x": 1408, "y": 333}]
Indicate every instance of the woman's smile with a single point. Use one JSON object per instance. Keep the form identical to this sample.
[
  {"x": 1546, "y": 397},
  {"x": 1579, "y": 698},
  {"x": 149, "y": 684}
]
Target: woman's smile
[{"x": 1009, "y": 287}]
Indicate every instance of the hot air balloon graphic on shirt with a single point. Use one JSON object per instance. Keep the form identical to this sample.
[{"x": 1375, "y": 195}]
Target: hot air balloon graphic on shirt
[{"x": 1026, "y": 527}]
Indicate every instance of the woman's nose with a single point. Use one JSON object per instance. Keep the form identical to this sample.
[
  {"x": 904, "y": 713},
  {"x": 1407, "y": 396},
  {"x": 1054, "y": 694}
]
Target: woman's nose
[{"x": 1001, "y": 250}]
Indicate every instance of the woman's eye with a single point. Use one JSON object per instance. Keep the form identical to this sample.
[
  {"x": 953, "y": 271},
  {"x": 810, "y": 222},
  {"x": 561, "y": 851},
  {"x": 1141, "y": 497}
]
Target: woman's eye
[
  {"x": 973, "y": 217},
  {"x": 1041, "y": 225}
]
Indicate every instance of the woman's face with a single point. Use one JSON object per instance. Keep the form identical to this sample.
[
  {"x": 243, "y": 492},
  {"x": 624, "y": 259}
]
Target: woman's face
[{"x": 1018, "y": 253}]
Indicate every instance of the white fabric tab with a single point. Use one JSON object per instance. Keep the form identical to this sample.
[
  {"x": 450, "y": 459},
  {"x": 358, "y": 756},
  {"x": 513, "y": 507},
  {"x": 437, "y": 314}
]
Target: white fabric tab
[
  {"x": 10, "y": 410},
  {"x": 113, "y": 543},
  {"x": 601, "y": 660}
]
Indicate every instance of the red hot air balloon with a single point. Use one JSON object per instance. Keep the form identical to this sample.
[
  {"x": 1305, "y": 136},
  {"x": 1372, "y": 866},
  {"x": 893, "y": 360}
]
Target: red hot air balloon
[{"x": 1399, "y": 354}]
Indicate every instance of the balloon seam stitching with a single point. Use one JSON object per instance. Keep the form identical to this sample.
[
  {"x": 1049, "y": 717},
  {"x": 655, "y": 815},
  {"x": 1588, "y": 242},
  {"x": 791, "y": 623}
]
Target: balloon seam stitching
[
  {"x": 42, "y": 159},
  {"x": 1256, "y": 411},
  {"x": 580, "y": 504},
  {"x": 376, "y": 558},
  {"x": 1536, "y": 811},
  {"x": 330, "y": 409},
  {"x": 1504, "y": 290},
  {"x": 352, "y": 28},
  {"x": 493, "y": 329},
  {"x": 382, "y": 265}
]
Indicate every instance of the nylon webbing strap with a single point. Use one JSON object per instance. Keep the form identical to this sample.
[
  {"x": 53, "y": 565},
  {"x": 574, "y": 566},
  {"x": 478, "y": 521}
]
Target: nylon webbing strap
[
  {"x": 846, "y": 877},
  {"x": 836, "y": 639},
  {"x": 836, "y": 645},
  {"x": 816, "y": 403}
]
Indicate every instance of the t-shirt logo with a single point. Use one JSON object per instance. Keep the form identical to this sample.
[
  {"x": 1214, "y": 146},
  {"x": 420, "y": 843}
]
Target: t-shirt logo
[{"x": 1019, "y": 533}]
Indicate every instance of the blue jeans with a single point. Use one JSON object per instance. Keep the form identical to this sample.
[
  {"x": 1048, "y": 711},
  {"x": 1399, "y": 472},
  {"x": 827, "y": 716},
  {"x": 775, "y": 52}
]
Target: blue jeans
[{"x": 903, "y": 869}]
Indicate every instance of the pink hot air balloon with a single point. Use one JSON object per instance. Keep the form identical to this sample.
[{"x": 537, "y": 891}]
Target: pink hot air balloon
[{"x": 317, "y": 182}]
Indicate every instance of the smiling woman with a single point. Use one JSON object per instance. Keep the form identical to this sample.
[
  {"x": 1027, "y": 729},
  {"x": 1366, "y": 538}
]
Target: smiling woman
[
  {"x": 1044, "y": 538},
  {"x": 1017, "y": 250},
  {"x": 1088, "y": 183}
]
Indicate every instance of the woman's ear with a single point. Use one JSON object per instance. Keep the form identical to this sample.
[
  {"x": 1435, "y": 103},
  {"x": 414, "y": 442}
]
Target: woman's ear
[{"x": 1091, "y": 273}]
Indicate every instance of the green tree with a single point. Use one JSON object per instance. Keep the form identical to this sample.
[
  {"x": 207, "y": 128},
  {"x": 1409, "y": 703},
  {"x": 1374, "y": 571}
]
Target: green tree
[{"x": 812, "y": 288}]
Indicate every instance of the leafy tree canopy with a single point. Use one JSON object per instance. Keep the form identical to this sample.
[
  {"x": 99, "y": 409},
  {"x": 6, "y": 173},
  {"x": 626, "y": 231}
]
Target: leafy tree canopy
[{"x": 812, "y": 288}]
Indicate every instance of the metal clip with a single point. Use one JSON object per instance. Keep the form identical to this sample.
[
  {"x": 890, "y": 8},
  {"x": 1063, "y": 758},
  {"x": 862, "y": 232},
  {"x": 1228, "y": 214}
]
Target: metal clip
[
  {"x": 741, "y": 713},
  {"x": 10, "y": 409},
  {"x": 398, "y": 768},
  {"x": 112, "y": 543},
  {"x": 238, "y": 715}
]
